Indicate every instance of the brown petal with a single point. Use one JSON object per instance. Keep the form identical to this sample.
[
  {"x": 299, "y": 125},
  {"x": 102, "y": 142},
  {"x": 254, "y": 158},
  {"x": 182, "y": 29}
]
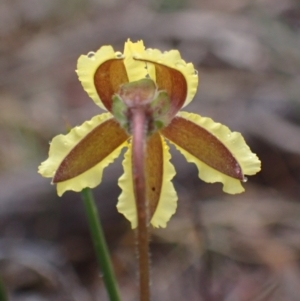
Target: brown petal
[
  {"x": 96, "y": 146},
  {"x": 108, "y": 78},
  {"x": 202, "y": 145},
  {"x": 154, "y": 171},
  {"x": 174, "y": 82}
]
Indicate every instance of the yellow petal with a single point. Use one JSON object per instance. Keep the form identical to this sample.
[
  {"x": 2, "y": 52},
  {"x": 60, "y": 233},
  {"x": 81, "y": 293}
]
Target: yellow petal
[
  {"x": 126, "y": 204},
  {"x": 220, "y": 155},
  {"x": 136, "y": 70},
  {"x": 169, "y": 79},
  {"x": 161, "y": 195},
  {"x": 101, "y": 73},
  {"x": 77, "y": 160}
]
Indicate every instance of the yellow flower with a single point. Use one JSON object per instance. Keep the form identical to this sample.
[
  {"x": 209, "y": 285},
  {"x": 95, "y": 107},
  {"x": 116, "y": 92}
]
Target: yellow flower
[{"x": 77, "y": 159}]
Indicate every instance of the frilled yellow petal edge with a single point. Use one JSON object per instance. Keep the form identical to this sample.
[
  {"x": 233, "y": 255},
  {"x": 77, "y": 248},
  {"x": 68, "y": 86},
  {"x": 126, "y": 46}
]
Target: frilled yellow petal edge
[
  {"x": 234, "y": 142},
  {"x": 173, "y": 60},
  {"x": 61, "y": 146},
  {"x": 126, "y": 202},
  {"x": 136, "y": 70},
  {"x": 167, "y": 202},
  {"x": 87, "y": 66}
]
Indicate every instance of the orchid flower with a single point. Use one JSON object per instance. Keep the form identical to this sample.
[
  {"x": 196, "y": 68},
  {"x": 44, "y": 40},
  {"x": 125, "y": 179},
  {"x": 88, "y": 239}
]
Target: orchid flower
[{"x": 167, "y": 83}]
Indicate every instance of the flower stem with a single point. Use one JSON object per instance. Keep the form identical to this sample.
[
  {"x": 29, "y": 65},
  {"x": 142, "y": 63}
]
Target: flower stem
[
  {"x": 139, "y": 183},
  {"x": 100, "y": 246},
  {"x": 3, "y": 295}
]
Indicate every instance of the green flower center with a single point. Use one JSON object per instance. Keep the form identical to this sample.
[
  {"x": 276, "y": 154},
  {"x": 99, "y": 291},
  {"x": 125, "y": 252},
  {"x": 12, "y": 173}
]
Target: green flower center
[{"x": 143, "y": 94}]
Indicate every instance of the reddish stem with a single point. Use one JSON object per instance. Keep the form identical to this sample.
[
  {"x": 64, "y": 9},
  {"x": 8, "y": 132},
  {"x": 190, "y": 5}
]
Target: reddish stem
[{"x": 139, "y": 126}]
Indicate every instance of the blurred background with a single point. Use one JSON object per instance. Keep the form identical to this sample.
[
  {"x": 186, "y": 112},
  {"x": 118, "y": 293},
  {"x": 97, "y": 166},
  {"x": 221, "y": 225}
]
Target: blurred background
[{"x": 216, "y": 247}]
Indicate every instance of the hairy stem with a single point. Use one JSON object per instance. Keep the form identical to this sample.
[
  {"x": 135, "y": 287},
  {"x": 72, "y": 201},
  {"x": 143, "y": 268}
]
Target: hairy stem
[{"x": 139, "y": 124}]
